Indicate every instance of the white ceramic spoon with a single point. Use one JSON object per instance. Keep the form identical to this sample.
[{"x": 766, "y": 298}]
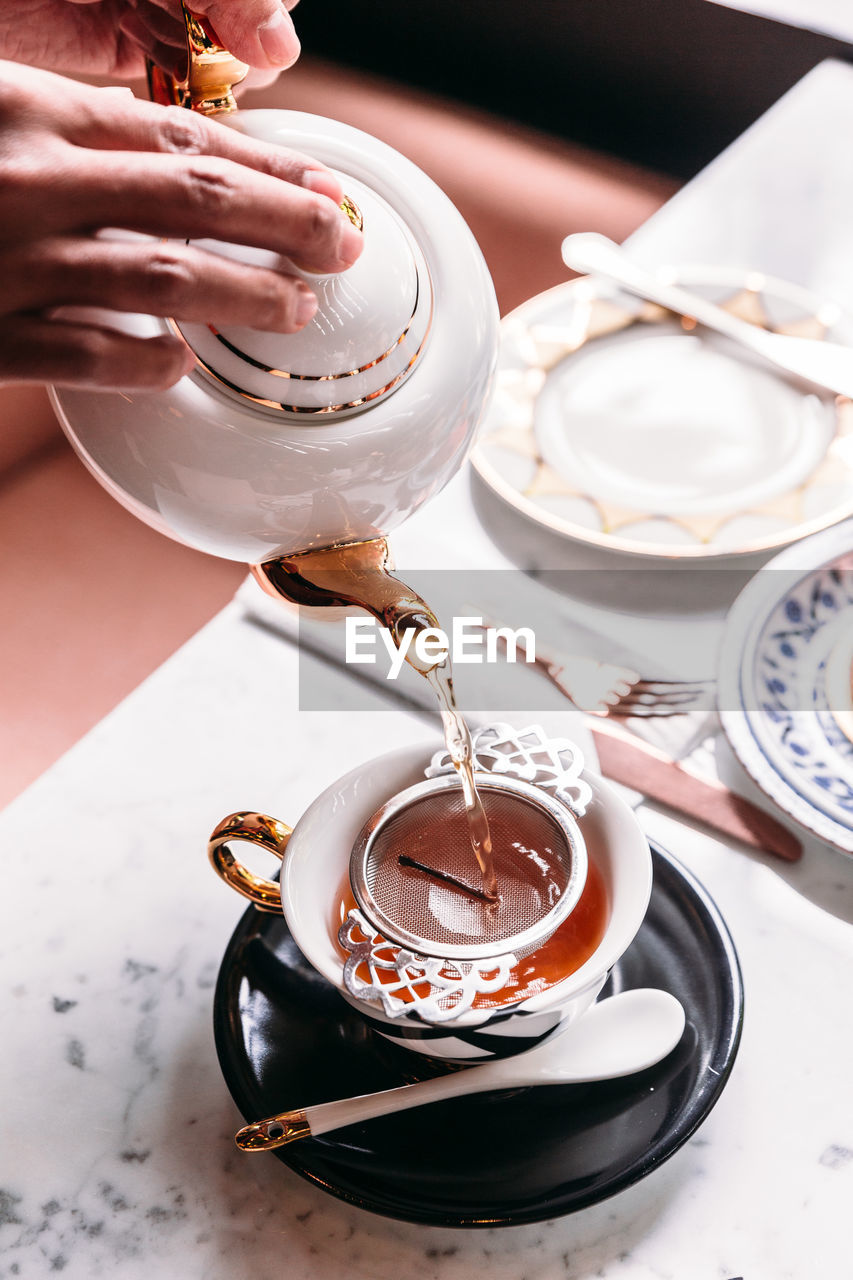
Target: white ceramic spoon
[
  {"x": 825, "y": 364},
  {"x": 617, "y": 1037}
]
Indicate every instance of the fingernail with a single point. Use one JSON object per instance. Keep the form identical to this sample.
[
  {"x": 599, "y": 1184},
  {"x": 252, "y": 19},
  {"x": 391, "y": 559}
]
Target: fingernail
[
  {"x": 306, "y": 305},
  {"x": 352, "y": 242},
  {"x": 324, "y": 183},
  {"x": 279, "y": 40}
]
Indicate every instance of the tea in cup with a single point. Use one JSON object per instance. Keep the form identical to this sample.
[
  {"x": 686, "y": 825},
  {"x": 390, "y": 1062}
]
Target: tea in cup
[{"x": 427, "y": 962}]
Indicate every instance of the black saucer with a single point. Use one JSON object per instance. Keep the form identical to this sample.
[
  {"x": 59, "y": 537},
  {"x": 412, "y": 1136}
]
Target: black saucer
[{"x": 286, "y": 1039}]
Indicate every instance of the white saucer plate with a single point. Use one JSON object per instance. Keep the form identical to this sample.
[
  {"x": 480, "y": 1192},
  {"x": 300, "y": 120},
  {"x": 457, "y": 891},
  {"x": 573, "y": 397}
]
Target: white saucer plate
[
  {"x": 618, "y": 425},
  {"x": 784, "y": 684}
]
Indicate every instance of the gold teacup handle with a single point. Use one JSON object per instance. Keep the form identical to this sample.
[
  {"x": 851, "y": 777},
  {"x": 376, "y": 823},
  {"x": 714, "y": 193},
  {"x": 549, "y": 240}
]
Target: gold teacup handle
[
  {"x": 254, "y": 828},
  {"x": 212, "y": 72}
]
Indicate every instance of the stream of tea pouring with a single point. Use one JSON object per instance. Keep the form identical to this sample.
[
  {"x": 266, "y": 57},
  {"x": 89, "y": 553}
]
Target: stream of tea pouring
[
  {"x": 359, "y": 574},
  {"x": 617, "y": 1037}
]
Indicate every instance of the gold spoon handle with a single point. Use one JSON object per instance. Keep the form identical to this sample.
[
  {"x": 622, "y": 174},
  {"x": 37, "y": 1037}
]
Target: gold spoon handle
[
  {"x": 288, "y": 1126},
  {"x": 277, "y": 1131}
]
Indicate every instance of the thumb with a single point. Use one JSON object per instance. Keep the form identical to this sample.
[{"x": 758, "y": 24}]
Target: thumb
[{"x": 259, "y": 32}]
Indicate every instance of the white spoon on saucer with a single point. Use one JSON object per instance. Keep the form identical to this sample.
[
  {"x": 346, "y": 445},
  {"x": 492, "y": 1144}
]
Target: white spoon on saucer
[
  {"x": 825, "y": 364},
  {"x": 617, "y": 1037}
]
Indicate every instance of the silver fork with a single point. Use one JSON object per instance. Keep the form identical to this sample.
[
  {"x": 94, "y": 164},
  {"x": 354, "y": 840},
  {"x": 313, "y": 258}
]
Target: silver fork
[{"x": 605, "y": 689}]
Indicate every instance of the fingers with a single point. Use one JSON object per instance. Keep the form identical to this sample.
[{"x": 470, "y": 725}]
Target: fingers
[
  {"x": 132, "y": 125},
  {"x": 160, "y": 34},
  {"x": 259, "y": 32},
  {"x": 165, "y": 23},
  {"x": 35, "y": 349},
  {"x": 199, "y": 197},
  {"x": 76, "y": 161},
  {"x": 170, "y": 58},
  {"x": 174, "y": 173},
  {"x": 158, "y": 279}
]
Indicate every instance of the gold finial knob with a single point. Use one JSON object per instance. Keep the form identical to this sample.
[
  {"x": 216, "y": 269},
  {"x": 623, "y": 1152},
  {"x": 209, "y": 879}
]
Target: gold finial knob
[{"x": 211, "y": 73}]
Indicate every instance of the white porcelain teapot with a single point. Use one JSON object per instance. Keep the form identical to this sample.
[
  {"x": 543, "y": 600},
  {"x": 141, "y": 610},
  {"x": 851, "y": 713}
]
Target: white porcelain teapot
[{"x": 278, "y": 444}]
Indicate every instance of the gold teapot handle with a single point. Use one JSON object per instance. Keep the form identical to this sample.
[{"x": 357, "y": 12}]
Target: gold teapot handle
[
  {"x": 254, "y": 828},
  {"x": 212, "y": 72}
]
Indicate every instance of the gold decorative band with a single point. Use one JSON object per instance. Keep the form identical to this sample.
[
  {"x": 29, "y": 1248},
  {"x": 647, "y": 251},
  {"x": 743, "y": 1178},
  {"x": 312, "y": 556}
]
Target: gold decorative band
[
  {"x": 319, "y": 377},
  {"x": 311, "y": 409}
]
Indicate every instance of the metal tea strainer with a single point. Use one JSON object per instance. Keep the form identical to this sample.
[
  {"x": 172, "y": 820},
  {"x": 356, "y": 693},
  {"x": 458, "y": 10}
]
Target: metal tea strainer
[{"x": 425, "y": 936}]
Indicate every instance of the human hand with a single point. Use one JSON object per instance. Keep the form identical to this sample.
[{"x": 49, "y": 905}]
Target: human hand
[
  {"x": 75, "y": 160},
  {"x": 113, "y": 37}
]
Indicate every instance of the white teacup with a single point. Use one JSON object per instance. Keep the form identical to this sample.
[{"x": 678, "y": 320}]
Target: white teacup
[{"x": 315, "y": 860}]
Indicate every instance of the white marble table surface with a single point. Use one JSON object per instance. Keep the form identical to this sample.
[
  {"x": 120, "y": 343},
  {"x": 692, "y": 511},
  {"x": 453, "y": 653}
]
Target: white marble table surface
[{"x": 116, "y": 1156}]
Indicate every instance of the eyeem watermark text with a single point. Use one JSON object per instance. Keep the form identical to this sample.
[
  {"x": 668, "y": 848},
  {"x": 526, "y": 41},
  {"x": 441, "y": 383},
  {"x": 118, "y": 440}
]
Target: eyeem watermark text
[{"x": 469, "y": 641}]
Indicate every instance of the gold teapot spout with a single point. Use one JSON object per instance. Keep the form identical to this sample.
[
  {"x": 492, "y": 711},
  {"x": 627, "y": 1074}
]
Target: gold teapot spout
[
  {"x": 346, "y": 575},
  {"x": 211, "y": 73}
]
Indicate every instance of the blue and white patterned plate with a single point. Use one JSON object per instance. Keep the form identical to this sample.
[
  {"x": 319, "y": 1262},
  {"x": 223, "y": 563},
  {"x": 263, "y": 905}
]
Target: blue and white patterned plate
[{"x": 784, "y": 683}]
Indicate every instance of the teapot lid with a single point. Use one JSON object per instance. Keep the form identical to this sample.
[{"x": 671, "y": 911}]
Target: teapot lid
[{"x": 363, "y": 341}]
